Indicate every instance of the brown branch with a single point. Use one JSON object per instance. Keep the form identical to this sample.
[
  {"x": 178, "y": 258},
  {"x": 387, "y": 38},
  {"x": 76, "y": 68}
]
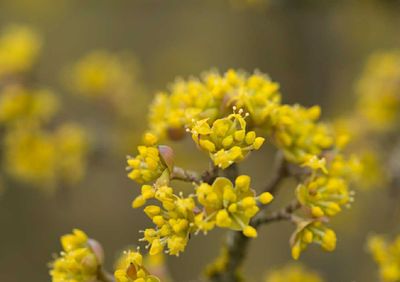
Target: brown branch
[
  {"x": 281, "y": 171},
  {"x": 209, "y": 175},
  {"x": 236, "y": 243},
  {"x": 179, "y": 173},
  {"x": 285, "y": 213},
  {"x": 105, "y": 276}
]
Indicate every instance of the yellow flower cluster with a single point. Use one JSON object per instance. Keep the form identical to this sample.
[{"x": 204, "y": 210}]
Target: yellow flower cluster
[
  {"x": 226, "y": 140},
  {"x": 387, "y": 256},
  {"x": 20, "y": 104},
  {"x": 211, "y": 98},
  {"x": 229, "y": 206},
  {"x": 101, "y": 73},
  {"x": 294, "y": 129},
  {"x": 322, "y": 195},
  {"x": 130, "y": 268},
  {"x": 42, "y": 158},
  {"x": 311, "y": 231},
  {"x": 379, "y": 91},
  {"x": 109, "y": 78},
  {"x": 220, "y": 204},
  {"x": 377, "y": 114},
  {"x": 298, "y": 133},
  {"x": 149, "y": 164},
  {"x": 111, "y": 82},
  {"x": 293, "y": 273},
  {"x": 35, "y": 151},
  {"x": 19, "y": 47},
  {"x": 77, "y": 262},
  {"x": 203, "y": 107},
  {"x": 174, "y": 222},
  {"x": 325, "y": 193}
]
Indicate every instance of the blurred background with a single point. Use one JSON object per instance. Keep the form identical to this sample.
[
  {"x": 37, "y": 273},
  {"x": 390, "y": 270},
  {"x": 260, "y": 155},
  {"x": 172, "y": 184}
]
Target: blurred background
[{"x": 316, "y": 50}]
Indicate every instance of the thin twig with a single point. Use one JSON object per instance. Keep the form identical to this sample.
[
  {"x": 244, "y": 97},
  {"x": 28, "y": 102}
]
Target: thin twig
[
  {"x": 285, "y": 213},
  {"x": 280, "y": 173},
  {"x": 185, "y": 175}
]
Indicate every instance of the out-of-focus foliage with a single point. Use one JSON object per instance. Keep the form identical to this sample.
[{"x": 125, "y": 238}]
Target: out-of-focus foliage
[
  {"x": 374, "y": 124},
  {"x": 19, "y": 48},
  {"x": 293, "y": 273},
  {"x": 34, "y": 150},
  {"x": 110, "y": 82},
  {"x": 387, "y": 255}
]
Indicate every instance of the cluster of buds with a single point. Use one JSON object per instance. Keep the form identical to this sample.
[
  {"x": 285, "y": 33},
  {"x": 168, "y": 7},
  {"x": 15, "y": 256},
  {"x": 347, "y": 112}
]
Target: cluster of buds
[
  {"x": 151, "y": 162},
  {"x": 130, "y": 268},
  {"x": 222, "y": 204},
  {"x": 230, "y": 206},
  {"x": 80, "y": 259},
  {"x": 174, "y": 222},
  {"x": 298, "y": 133},
  {"x": 226, "y": 140},
  {"x": 312, "y": 231}
]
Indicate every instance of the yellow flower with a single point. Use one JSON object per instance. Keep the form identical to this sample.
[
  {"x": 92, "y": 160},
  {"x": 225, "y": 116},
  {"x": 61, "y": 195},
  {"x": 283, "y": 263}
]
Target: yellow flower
[
  {"x": 19, "y": 47},
  {"x": 19, "y": 104},
  {"x": 211, "y": 98},
  {"x": 230, "y": 206},
  {"x": 310, "y": 231},
  {"x": 148, "y": 165},
  {"x": 78, "y": 262},
  {"x": 226, "y": 140},
  {"x": 72, "y": 146},
  {"x": 378, "y": 91},
  {"x": 298, "y": 133},
  {"x": 293, "y": 273},
  {"x": 174, "y": 222},
  {"x": 31, "y": 156},
  {"x": 101, "y": 72},
  {"x": 130, "y": 268},
  {"x": 42, "y": 158},
  {"x": 387, "y": 255}
]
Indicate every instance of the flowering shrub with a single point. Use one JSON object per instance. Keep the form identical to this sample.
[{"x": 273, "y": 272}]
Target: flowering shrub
[{"x": 230, "y": 116}]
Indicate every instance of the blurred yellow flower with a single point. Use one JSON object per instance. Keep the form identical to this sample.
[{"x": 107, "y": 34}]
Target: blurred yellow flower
[
  {"x": 293, "y": 273},
  {"x": 78, "y": 262},
  {"x": 19, "y": 48},
  {"x": 387, "y": 255}
]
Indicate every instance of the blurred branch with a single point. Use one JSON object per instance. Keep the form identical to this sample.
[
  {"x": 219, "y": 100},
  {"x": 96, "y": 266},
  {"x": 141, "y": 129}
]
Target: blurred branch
[
  {"x": 104, "y": 276},
  {"x": 179, "y": 173},
  {"x": 280, "y": 173}
]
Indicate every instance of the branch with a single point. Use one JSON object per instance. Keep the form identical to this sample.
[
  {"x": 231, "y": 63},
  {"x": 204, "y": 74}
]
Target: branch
[
  {"x": 285, "y": 213},
  {"x": 280, "y": 173},
  {"x": 236, "y": 243},
  {"x": 179, "y": 173},
  {"x": 105, "y": 276},
  {"x": 209, "y": 175}
]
